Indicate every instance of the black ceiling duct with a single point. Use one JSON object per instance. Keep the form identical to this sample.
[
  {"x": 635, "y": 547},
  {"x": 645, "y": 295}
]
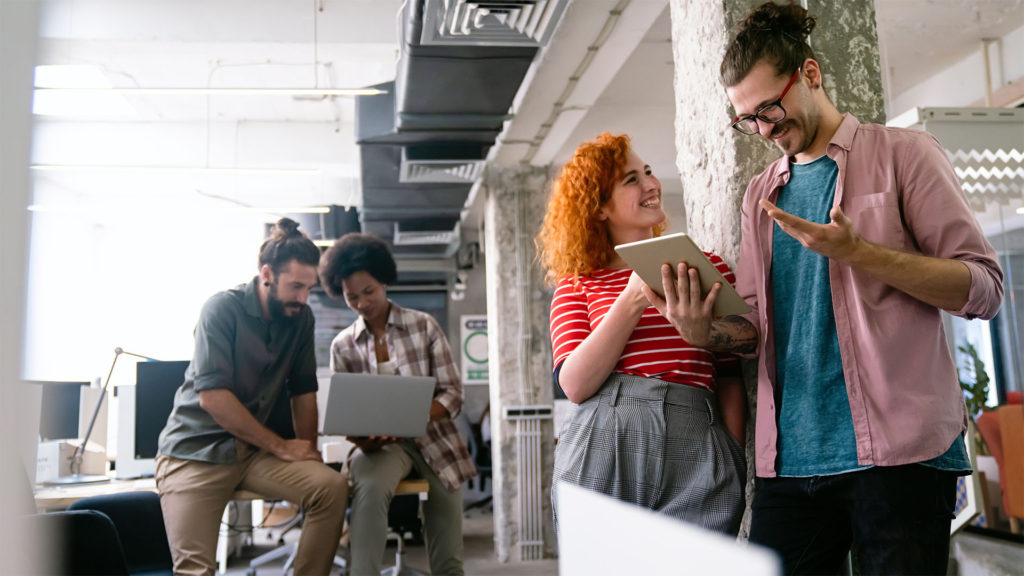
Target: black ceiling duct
[{"x": 424, "y": 141}]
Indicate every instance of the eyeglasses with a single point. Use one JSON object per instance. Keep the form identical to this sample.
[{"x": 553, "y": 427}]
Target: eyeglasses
[{"x": 771, "y": 113}]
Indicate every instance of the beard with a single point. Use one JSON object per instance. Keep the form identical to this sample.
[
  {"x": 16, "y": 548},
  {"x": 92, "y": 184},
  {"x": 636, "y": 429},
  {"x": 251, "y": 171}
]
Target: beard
[{"x": 280, "y": 311}]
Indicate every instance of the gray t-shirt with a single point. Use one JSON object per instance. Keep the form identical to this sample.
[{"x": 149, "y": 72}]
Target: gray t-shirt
[{"x": 236, "y": 349}]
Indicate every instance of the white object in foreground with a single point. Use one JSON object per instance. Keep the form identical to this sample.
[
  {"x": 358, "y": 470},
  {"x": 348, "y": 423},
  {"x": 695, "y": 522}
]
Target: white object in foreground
[{"x": 601, "y": 535}]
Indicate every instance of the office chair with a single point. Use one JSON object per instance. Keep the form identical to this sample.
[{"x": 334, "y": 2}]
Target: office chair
[
  {"x": 480, "y": 451},
  {"x": 139, "y": 524},
  {"x": 286, "y": 550},
  {"x": 86, "y": 542}
]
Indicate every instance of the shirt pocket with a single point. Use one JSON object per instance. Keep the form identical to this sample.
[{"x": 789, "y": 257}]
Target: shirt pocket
[{"x": 877, "y": 218}]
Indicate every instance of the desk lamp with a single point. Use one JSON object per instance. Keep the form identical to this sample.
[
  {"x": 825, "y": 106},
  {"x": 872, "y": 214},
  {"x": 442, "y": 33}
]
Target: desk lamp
[{"x": 76, "y": 476}]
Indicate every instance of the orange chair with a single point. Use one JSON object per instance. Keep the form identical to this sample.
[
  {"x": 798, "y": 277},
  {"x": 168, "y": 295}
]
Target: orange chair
[{"x": 1003, "y": 431}]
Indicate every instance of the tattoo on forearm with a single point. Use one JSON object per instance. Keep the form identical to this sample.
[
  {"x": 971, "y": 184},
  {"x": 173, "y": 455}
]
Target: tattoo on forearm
[{"x": 733, "y": 334}]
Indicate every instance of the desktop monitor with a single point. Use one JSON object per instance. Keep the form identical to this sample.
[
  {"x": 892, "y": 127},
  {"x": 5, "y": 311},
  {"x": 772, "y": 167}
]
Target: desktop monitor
[
  {"x": 155, "y": 386},
  {"x": 59, "y": 411},
  {"x": 143, "y": 410},
  {"x": 142, "y": 413}
]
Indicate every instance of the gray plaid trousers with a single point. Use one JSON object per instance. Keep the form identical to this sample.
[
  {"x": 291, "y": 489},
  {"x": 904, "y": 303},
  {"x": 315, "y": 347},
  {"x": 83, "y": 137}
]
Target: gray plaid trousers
[{"x": 658, "y": 445}]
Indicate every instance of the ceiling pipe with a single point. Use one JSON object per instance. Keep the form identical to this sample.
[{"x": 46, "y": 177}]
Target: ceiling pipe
[
  {"x": 558, "y": 107},
  {"x": 985, "y": 43}
]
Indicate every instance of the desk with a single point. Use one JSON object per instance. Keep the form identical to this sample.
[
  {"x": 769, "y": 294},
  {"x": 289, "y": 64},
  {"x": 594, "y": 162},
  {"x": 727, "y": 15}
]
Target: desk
[{"x": 58, "y": 497}]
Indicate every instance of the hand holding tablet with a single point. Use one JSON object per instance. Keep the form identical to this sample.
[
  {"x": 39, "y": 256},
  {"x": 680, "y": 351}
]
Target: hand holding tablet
[{"x": 647, "y": 256}]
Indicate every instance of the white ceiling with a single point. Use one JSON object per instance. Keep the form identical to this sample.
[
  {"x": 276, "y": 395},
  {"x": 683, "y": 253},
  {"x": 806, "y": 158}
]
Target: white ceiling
[
  {"x": 199, "y": 44},
  {"x": 353, "y": 43},
  {"x": 918, "y": 38},
  {"x": 228, "y": 43}
]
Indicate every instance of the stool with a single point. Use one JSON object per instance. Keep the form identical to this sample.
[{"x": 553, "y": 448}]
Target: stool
[{"x": 407, "y": 486}]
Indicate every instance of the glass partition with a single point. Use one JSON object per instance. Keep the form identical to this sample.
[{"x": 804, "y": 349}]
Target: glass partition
[{"x": 986, "y": 147}]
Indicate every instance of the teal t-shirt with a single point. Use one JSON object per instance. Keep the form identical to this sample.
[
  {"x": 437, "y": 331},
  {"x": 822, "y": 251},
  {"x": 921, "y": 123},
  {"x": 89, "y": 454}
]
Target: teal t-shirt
[
  {"x": 815, "y": 426},
  {"x": 814, "y": 420}
]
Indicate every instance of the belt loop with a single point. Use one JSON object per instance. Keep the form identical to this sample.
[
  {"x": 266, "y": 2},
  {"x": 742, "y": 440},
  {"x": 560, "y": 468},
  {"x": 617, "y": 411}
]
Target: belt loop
[
  {"x": 615, "y": 393},
  {"x": 711, "y": 412}
]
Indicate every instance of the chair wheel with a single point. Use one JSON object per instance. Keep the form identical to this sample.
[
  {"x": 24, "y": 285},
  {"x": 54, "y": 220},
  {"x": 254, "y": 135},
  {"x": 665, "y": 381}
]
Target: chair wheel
[{"x": 250, "y": 572}]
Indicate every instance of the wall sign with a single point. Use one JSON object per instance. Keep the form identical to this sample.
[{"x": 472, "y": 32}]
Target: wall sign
[{"x": 474, "y": 348}]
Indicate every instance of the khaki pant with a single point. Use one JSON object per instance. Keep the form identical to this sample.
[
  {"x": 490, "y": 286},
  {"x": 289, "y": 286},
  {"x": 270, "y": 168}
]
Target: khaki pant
[
  {"x": 375, "y": 477},
  {"x": 193, "y": 496}
]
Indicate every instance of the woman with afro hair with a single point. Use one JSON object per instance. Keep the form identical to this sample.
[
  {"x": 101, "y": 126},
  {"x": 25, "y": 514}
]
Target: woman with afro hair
[
  {"x": 389, "y": 339},
  {"x": 658, "y": 423}
]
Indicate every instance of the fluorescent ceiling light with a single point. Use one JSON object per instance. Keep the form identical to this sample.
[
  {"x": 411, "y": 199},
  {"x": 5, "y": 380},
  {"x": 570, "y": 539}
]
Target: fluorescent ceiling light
[
  {"x": 1020, "y": 210},
  {"x": 98, "y": 102},
  {"x": 83, "y": 90},
  {"x": 57, "y": 76},
  {"x": 293, "y": 209},
  {"x": 177, "y": 170},
  {"x": 88, "y": 79}
]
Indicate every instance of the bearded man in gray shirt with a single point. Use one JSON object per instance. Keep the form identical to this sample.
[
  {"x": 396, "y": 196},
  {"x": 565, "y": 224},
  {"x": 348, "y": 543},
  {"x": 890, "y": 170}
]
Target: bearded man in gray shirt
[{"x": 251, "y": 343}]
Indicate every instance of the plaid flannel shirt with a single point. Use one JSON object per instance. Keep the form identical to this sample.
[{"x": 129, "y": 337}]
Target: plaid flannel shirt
[{"x": 419, "y": 347}]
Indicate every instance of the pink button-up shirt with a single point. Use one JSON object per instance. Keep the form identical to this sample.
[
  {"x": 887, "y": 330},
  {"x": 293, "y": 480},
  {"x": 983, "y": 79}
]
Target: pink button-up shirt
[{"x": 899, "y": 189}]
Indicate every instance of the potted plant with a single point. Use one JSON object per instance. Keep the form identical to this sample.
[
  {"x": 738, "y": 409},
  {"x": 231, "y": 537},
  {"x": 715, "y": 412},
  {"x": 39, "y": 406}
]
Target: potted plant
[{"x": 974, "y": 382}]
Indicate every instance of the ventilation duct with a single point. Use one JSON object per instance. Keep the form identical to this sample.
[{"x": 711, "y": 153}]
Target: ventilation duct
[
  {"x": 454, "y": 171},
  {"x": 458, "y": 22},
  {"x": 424, "y": 142},
  {"x": 456, "y": 164},
  {"x": 426, "y": 237},
  {"x": 324, "y": 228}
]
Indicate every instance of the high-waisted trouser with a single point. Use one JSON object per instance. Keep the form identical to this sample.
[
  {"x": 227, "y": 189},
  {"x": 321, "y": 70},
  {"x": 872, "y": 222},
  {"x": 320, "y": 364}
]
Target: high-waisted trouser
[{"x": 658, "y": 445}]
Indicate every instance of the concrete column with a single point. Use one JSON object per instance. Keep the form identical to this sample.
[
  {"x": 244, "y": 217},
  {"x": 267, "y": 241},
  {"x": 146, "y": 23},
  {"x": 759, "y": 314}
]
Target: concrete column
[
  {"x": 520, "y": 354},
  {"x": 716, "y": 162}
]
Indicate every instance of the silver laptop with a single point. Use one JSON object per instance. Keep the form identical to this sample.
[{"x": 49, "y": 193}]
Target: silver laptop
[{"x": 378, "y": 405}]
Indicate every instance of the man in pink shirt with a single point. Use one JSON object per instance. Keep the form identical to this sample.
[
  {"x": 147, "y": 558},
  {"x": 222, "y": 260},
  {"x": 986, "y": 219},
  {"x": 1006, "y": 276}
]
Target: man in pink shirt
[{"x": 852, "y": 243}]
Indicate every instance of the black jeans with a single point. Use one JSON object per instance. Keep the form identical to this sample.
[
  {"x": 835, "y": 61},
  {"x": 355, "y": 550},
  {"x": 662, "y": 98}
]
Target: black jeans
[{"x": 894, "y": 518}]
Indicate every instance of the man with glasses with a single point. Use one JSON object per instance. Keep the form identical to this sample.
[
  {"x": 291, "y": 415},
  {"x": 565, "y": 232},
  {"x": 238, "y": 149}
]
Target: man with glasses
[{"x": 852, "y": 243}]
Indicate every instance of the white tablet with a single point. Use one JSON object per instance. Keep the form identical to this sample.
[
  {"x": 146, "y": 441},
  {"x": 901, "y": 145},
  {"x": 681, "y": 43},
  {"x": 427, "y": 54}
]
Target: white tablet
[{"x": 646, "y": 257}]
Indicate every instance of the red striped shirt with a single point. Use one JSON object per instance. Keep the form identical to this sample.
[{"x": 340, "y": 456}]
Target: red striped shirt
[{"x": 654, "y": 349}]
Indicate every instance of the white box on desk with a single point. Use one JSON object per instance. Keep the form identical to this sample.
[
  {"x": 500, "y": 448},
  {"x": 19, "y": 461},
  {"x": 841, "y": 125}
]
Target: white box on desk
[{"x": 53, "y": 459}]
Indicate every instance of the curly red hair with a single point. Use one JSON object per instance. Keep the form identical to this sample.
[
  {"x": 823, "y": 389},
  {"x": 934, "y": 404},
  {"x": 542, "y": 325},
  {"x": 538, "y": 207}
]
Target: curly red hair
[{"x": 573, "y": 241}]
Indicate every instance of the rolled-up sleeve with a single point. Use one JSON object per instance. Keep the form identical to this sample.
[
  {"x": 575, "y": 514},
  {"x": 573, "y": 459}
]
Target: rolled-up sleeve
[
  {"x": 213, "y": 360},
  {"x": 943, "y": 225}
]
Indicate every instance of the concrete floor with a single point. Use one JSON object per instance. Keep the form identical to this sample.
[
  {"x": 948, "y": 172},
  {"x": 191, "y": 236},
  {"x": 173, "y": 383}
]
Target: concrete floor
[
  {"x": 972, "y": 555},
  {"x": 479, "y": 560},
  {"x": 978, "y": 555}
]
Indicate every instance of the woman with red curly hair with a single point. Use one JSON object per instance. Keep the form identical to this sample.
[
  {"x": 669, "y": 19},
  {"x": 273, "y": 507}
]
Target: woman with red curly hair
[{"x": 648, "y": 428}]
